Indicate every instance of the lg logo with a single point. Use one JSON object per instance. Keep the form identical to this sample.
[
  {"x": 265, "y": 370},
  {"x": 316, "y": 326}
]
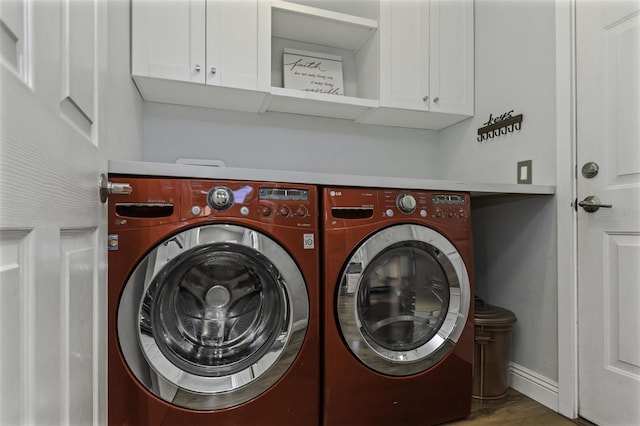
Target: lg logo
[{"x": 335, "y": 193}]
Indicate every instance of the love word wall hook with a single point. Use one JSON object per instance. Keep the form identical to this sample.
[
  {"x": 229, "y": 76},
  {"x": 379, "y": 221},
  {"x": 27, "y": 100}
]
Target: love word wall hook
[{"x": 500, "y": 125}]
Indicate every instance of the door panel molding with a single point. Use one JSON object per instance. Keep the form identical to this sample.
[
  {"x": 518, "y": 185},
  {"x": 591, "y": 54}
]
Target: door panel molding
[
  {"x": 621, "y": 300},
  {"x": 78, "y": 64},
  {"x": 78, "y": 280},
  {"x": 16, "y": 343}
]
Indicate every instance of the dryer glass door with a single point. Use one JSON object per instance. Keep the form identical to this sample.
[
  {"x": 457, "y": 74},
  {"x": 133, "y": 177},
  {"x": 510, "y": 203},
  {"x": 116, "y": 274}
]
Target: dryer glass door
[
  {"x": 213, "y": 316},
  {"x": 403, "y": 299}
]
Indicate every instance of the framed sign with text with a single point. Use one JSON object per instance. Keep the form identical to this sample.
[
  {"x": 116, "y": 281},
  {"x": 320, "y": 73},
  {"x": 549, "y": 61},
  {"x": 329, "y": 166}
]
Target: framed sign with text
[{"x": 312, "y": 72}]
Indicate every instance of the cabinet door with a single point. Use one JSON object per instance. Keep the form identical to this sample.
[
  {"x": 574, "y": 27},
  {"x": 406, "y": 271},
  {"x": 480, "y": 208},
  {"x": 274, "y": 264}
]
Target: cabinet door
[
  {"x": 404, "y": 54},
  {"x": 232, "y": 43},
  {"x": 168, "y": 39},
  {"x": 451, "y": 55}
]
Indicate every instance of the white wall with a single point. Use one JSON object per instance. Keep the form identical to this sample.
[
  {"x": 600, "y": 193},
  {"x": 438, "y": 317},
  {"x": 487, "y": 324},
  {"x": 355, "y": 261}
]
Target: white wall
[
  {"x": 515, "y": 257},
  {"x": 287, "y": 142},
  {"x": 515, "y": 237},
  {"x": 515, "y": 70},
  {"x": 124, "y": 130}
]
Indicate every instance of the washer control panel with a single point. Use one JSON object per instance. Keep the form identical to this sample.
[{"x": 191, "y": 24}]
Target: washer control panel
[
  {"x": 275, "y": 203},
  {"x": 424, "y": 205}
]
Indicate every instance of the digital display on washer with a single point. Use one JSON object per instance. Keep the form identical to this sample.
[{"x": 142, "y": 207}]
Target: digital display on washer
[
  {"x": 283, "y": 194},
  {"x": 447, "y": 199}
]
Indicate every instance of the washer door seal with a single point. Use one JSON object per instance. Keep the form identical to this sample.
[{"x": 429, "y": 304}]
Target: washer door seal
[{"x": 213, "y": 316}]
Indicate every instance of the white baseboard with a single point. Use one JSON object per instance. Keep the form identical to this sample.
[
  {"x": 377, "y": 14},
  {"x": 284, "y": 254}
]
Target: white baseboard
[{"x": 534, "y": 385}]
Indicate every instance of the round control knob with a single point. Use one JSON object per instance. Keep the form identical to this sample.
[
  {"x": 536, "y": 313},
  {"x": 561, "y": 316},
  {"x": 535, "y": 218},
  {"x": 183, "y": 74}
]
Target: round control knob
[
  {"x": 462, "y": 213},
  {"x": 220, "y": 198},
  {"x": 284, "y": 211},
  {"x": 438, "y": 213},
  {"x": 265, "y": 211},
  {"x": 406, "y": 203},
  {"x": 302, "y": 211}
]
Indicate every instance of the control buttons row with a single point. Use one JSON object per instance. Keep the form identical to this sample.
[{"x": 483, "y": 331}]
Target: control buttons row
[
  {"x": 450, "y": 213},
  {"x": 264, "y": 211},
  {"x": 284, "y": 211}
]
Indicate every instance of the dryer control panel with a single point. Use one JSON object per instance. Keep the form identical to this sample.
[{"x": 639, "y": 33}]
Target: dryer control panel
[
  {"x": 353, "y": 206},
  {"x": 405, "y": 203},
  {"x": 425, "y": 205},
  {"x": 451, "y": 206}
]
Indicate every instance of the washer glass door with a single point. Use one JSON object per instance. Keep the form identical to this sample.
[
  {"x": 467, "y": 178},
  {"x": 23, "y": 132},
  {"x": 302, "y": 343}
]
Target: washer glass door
[
  {"x": 213, "y": 316},
  {"x": 403, "y": 300}
]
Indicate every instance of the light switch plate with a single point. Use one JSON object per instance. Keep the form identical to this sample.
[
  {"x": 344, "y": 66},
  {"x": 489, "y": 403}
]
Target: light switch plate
[{"x": 524, "y": 171}]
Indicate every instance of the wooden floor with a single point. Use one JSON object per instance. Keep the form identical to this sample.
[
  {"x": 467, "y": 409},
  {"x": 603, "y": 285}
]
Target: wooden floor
[{"x": 515, "y": 409}]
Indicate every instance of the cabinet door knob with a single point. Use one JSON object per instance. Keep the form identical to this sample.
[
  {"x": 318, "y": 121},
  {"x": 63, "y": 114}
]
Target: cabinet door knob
[
  {"x": 213, "y": 70},
  {"x": 197, "y": 68},
  {"x": 426, "y": 98},
  {"x": 436, "y": 99}
]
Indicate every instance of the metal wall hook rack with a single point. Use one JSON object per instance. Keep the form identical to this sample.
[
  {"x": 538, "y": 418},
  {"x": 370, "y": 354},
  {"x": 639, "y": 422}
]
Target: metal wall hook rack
[{"x": 501, "y": 127}]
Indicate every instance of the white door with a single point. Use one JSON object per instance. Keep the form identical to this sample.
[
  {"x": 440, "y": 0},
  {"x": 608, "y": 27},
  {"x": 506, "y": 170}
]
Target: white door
[
  {"x": 52, "y": 223},
  {"x": 608, "y": 133}
]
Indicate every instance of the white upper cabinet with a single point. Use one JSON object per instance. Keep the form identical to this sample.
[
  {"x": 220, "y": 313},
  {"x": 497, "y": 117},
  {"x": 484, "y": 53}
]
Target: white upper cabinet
[
  {"x": 232, "y": 43},
  {"x": 451, "y": 52},
  {"x": 168, "y": 40},
  {"x": 404, "y": 54},
  {"x": 426, "y": 64},
  {"x": 211, "y": 42},
  {"x": 405, "y": 63}
]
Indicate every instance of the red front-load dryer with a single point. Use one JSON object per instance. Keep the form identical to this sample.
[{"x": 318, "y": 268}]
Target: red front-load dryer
[
  {"x": 213, "y": 303},
  {"x": 398, "y": 326}
]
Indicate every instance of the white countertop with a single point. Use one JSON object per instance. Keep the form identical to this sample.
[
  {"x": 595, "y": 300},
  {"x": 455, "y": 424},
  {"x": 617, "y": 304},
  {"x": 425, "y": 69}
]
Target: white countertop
[{"x": 143, "y": 168}]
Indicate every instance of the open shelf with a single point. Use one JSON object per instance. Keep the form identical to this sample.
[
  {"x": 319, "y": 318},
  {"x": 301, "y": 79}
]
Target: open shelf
[
  {"x": 352, "y": 37},
  {"x": 318, "y": 104},
  {"x": 320, "y": 26}
]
